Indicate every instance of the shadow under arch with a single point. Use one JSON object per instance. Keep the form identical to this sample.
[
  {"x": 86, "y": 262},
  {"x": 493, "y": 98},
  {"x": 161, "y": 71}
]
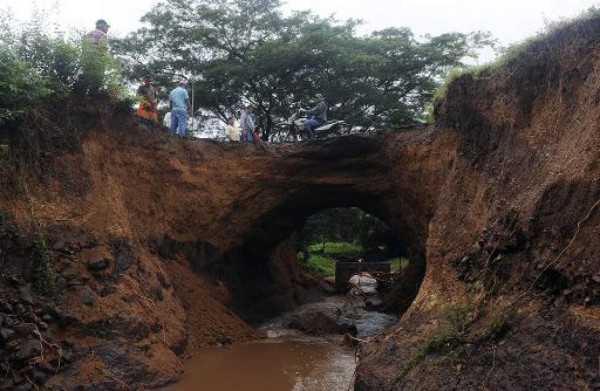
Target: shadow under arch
[{"x": 256, "y": 267}]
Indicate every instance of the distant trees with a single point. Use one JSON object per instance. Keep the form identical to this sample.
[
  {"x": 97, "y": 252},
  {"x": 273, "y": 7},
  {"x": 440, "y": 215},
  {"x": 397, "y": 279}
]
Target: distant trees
[{"x": 239, "y": 49}]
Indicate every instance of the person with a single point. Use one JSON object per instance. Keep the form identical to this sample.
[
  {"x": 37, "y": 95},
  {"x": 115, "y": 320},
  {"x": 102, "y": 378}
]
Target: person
[
  {"x": 232, "y": 132},
  {"x": 179, "y": 101},
  {"x": 256, "y": 136},
  {"x": 247, "y": 123},
  {"x": 167, "y": 120},
  {"x": 147, "y": 96},
  {"x": 94, "y": 58},
  {"x": 316, "y": 116}
]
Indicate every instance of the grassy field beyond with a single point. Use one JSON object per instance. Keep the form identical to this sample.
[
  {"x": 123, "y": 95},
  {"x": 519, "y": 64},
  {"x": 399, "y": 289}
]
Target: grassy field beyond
[{"x": 322, "y": 257}]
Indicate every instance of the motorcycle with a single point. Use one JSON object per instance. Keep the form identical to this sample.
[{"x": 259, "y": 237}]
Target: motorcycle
[{"x": 293, "y": 129}]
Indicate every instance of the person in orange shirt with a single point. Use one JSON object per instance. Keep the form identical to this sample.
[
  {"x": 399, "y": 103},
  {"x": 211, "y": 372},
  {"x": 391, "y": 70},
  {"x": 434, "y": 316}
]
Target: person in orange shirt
[{"x": 147, "y": 95}]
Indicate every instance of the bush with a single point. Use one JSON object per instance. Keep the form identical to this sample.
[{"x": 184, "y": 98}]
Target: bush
[
  {"x": 36, "y": 68},
  {"x": 20, "y": 86},
  {"x": 44, "y": 282}
]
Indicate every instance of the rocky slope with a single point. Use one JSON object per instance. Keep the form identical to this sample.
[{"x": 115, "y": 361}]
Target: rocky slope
[{"x": 510, "y": 299}]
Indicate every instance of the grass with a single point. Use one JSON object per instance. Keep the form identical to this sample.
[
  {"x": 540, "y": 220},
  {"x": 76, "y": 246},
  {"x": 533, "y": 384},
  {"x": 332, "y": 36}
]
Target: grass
[
  {"x": 535, "y": 49},
  {"x": 398, "y": 264},
  {"x": 322, "y": 266},
  {"x": 448, "y": 340},
  {"x": 336, "y": 249},
  {"x": 322, "y": 257},
  {"x": 44, "y": 280}
]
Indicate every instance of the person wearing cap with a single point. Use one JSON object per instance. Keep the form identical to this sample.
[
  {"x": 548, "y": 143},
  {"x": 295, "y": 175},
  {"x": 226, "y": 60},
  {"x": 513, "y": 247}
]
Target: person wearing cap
[
  {"x": 247, "y": 123},
  {"x": 94, "y": 57},
  {"x": 316, "y": 116},
  {"x": 147, "y": 96},
  {"x": 179, "y": 101}
]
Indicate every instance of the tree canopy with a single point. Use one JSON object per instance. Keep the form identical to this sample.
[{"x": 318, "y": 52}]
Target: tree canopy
[{"x": 239, "y": 50}]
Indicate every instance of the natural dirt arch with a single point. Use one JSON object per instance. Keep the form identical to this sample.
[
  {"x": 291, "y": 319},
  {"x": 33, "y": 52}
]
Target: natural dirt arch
[{"x": 164, "y": 211}]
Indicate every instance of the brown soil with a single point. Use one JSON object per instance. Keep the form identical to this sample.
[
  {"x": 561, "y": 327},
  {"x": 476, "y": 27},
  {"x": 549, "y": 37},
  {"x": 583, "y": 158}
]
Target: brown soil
[{"x": 163, "y": 245}]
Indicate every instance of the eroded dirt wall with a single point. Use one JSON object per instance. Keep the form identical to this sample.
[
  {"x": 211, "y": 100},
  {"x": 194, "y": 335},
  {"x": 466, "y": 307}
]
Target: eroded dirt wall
[
  {"x": 513, "y": 251},
  {"x": 155, "y": 241}
]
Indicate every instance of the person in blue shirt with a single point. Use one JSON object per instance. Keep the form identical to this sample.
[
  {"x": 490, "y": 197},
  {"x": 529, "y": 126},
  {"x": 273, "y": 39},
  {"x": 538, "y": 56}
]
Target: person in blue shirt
[
  {"x": 179, "y": 101},
  {"x": 247, "y": 124}
]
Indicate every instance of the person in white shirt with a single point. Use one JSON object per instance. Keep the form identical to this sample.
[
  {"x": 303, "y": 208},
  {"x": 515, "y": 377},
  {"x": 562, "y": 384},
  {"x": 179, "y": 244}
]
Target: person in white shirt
[{"x": 232, "y": 132}]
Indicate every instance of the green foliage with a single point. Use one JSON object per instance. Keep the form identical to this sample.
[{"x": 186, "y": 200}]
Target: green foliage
[
  {"x": 42, "y": 276},
  {"x": 322, "y": 256},
  {"x": 444, "y": 341},
  {"x": 460, "y": 316},
  {"x": 37, "y": 68},
  {"x": 351, "y": 225},
  {"x": 449, "y": 338},
  {"x": 534, "y": 50},
  {"x": 7, "y": 226},
  {"x": 20, "y": 86},
  {"x": 333, "y": 249},
  {"x": 321, "y": 266},
  {"x": 497, "y": 323},
  {"x": 239, "y": 49},
  {"x": 398, "y": 264}
]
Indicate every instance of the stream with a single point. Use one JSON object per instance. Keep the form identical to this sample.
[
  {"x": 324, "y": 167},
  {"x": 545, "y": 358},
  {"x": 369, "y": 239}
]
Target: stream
[{"x": 289, "y": 359}]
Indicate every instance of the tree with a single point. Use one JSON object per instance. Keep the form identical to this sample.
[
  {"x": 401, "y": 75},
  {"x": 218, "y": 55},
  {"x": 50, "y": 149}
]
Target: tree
[{"x": 247, "y": 50}]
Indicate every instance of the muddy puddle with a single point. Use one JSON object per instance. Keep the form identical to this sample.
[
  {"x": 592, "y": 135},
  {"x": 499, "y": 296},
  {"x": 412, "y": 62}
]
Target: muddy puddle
[{"x": 289, "y": 359}]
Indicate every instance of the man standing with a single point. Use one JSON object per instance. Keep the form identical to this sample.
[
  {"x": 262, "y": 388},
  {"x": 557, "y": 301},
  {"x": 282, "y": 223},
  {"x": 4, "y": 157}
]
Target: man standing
[
  {"x": 179, "y": 101},
  {"x": 147, "y": 96},
  {"x": 94, "y": 58},
  {"x": 316, "y": 116},
  {"x": 247, "y": 123}
]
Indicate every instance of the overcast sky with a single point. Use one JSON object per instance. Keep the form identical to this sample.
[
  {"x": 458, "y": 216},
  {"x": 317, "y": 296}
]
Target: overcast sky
[{"x": 508, "y": 20}]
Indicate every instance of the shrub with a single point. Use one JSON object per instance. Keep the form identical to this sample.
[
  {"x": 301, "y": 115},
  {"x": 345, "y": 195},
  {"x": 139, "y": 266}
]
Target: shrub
[
  {"x": 37, "y": 68},
  {"x": 42, "y": 276}
]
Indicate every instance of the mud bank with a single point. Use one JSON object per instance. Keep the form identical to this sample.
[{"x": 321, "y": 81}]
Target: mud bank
[{"x": 127, "y": 247}]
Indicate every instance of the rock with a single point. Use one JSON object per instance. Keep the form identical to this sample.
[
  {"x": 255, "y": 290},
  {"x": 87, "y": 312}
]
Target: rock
[
  {"x": 162, "y": 279},
  {"x": 25, "y": 295},
  {"x": 596, "y": 278},
  {"x": 348, "y": 328},
  {"x": 47, "y": 368},
  {"x": 30, "y": 349},
  {"x": 13, "y": 345},
  {"x": 47, "y": 335},
  {"x": 104, "y": 291},
  {"x": 25, "y": 328},
  {"x": 47, "y": 318},
  {"x": 6, "y": 334},
  {"x": 224, "y": 340},
  {"x": 17, "y": 378},
  {"x": 29, "y": 317},
  {"x": 314, "y": 323},
  {"x": 7, "y": 308},
  {"x": 69, "y": 343},
  {"x": 68, "y": 357},
  {"x": 87, "y": 297},
  {"x": 43, "y": 326},
  {"x": 39, "y": 377},
  {"x": 98, "y": 264}
]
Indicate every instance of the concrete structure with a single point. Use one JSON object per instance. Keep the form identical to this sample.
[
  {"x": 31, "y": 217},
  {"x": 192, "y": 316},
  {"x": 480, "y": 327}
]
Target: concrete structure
[{"x": 345, "y": 270}]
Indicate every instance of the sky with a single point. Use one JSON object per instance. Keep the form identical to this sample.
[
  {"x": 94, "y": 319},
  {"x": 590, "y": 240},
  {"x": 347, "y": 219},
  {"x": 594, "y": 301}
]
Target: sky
[{"x": 509, "y": 21}]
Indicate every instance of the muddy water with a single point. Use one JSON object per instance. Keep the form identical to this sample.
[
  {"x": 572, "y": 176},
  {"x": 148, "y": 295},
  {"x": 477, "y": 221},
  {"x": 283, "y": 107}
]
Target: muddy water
[
  {"x": 287, "y": 360},
  {"x": 271, "y": 366}
]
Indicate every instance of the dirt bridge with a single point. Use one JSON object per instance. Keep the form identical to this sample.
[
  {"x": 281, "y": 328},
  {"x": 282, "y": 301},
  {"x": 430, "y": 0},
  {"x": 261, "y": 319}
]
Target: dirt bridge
[{"x": 165, "y": 242}]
